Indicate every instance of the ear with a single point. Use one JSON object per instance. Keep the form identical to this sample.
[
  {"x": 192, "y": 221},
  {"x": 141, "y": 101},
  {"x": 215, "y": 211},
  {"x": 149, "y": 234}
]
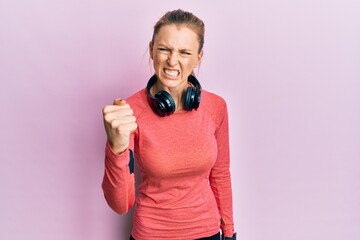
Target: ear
[
  {"x": 199, "y": 59},
  {"x": 151, "y": 47}
]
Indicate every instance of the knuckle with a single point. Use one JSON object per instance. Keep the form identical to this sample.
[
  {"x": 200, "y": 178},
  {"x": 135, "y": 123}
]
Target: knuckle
[
  {"x": 107, "y": 118},
  {"x": 104, "y": 109},
  {"x": 131, "y": 111},
  {"x": 113, "y": 124},
  {"x": 119, "y": 130}
]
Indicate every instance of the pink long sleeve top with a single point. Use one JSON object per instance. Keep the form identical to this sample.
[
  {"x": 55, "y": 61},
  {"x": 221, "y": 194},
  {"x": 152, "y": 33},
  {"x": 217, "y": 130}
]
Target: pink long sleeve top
[{"x": 183, "y": 159}]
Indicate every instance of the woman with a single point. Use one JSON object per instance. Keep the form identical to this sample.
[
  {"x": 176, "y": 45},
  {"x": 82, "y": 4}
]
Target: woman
[{"x": 178, "y": 134}]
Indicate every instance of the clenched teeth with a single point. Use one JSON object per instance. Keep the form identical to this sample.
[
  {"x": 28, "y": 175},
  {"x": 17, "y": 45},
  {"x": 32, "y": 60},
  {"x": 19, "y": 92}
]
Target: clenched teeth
[{"x": 172, "y": 73}]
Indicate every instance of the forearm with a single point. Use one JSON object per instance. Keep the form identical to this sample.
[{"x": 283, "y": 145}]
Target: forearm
[
  {"x": 220, "y": 183},
  {"x": 118, "y": 182}
]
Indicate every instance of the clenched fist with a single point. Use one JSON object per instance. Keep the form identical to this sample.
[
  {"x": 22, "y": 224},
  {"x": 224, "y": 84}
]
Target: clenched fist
[{"x": 120, "y": 122}]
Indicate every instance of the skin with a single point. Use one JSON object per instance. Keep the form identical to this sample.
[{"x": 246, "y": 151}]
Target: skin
[
  {"x": 176, "y": 50},
  {"x": 119, "y": 122}
]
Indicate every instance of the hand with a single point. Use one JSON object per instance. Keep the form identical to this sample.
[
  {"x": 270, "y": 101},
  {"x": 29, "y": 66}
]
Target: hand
[
  {"x": 119, "y": 122},
  {"x": 228, "y": 238}
]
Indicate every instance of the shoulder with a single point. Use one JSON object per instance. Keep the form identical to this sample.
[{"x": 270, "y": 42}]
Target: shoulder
[
  {"x": 214, "y": 105},
  {"x": 138, "y": 101},
  {"x": 211, "y": 101}
]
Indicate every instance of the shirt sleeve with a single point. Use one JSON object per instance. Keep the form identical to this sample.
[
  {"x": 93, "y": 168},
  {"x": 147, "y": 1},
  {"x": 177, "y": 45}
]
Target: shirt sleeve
[
  {"x": 118, "y": 183},
  {"x": 220, "y": 180}
]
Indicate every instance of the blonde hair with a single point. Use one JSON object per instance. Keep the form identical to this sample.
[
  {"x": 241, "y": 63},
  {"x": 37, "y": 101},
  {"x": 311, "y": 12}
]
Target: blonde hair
[{"x": 180, "y": 17}]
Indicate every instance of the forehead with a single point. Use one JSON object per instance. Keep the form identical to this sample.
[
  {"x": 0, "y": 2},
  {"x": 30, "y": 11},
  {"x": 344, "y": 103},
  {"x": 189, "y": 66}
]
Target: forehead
[{"x": 177, "y": 37}]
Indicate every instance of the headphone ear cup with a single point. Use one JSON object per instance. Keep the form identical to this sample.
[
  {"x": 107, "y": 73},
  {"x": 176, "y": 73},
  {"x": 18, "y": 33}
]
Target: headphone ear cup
[
  {"x": 197, "y": 99},
  {"x": 166, "y": 104},
  {"x": 189, "y": 98}
]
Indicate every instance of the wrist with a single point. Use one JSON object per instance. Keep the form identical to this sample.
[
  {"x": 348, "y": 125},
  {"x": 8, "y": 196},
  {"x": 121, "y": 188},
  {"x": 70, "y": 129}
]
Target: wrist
[{"x": 118, "y": 150}]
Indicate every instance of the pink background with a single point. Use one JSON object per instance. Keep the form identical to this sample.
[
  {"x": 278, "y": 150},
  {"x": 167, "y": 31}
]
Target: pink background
[{"x": 289, "y": 70}]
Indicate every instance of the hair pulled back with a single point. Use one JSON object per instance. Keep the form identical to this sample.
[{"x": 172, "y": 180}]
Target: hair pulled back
[{"x": 182, "y": 18}]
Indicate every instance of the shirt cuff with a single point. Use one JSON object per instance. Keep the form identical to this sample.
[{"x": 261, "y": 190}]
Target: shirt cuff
[{"x": 119, "y": 160}]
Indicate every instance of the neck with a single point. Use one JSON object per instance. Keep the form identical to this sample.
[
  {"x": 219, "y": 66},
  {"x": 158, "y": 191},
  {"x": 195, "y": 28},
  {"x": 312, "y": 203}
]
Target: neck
[
  {"x": 178, "y": 98},
  {"x": 176, "y": 93}
]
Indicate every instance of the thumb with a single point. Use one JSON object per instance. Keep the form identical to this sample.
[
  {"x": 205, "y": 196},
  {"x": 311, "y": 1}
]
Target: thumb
[{"x": 119, "y": 101}]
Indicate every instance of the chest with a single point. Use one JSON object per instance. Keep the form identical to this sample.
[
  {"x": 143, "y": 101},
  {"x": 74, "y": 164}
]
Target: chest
[{"x": 177, "y": 146}]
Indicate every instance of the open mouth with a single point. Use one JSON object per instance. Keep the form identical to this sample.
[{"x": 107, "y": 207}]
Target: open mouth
[{"x": 171, "y": 73}]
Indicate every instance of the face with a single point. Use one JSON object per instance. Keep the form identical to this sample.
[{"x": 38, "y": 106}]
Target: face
[{"x": 175, "y": 53}]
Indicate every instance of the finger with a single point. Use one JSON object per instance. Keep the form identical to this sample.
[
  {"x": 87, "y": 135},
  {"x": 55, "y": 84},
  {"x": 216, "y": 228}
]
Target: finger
[
  {"x": 112, "y": 108},
  {"x": 133, "y": 126},
  {"x": 122, "y": 113},
  {"x": 119, "y": 101},
  {"x": 122, "y": 120},
  {"x": 124, "y": 127}
]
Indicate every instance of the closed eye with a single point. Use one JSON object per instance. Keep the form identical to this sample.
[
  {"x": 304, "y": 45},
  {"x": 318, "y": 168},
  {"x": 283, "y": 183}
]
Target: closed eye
[
  {"x": 186, "y": 53},
  {"x": 163, "y": 49}
]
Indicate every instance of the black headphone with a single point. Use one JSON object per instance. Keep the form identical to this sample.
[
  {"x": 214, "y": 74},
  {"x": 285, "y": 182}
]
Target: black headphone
[{"x": 164, "y": 105}]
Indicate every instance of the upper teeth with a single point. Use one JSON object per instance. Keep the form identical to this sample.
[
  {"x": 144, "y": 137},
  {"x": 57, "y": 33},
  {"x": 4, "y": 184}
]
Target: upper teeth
[{"x": 171, "y": 72}]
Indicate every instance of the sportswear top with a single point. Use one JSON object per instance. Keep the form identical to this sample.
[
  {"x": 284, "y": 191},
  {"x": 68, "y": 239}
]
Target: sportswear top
[{"x": 183, "y": 159}]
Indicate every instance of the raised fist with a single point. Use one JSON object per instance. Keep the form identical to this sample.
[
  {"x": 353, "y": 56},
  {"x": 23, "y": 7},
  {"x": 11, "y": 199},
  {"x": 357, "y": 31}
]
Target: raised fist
[{"x": 120, "y": 122}]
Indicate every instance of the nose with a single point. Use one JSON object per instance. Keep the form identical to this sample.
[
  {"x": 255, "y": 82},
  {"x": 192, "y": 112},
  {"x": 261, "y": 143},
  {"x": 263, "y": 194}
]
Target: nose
[{"x": 173, "y": 59}]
